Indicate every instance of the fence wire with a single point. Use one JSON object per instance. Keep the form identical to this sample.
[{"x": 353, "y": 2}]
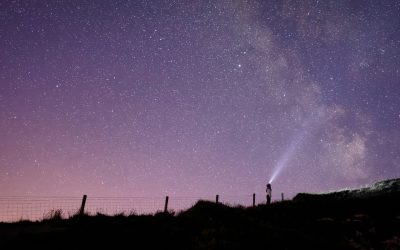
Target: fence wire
[{"x": 36, "y": 208}]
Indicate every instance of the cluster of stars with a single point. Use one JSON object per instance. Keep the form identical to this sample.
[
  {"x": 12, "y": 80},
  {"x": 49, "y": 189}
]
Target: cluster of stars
[{"x": 140, "y": 98}]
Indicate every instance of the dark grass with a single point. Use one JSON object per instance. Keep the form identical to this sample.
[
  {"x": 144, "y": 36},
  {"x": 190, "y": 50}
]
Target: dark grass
[{"x": 332, "y": 221}]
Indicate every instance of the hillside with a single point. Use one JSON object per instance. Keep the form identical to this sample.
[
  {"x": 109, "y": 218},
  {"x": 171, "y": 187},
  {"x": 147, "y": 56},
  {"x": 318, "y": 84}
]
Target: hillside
[
  {"x": 367, "y": 218},
  {"x": 381, "y": 188}
]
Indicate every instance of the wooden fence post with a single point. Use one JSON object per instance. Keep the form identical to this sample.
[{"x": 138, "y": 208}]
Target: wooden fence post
[
  {"x": 282, "y": 197},
  {"x": 82, "y": 210},
  {"x": 216, "y": 199},
  {"x": 166, "y": 205},
  {"x": 254, "y": 200}
]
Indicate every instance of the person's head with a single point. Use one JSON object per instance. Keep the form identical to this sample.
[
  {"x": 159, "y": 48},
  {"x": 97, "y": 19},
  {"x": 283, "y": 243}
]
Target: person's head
[{"x": 268, "y": 185}]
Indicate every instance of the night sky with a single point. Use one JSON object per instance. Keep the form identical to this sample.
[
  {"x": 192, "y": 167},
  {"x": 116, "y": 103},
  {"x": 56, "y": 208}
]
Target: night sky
[{"x": 194, "y": 98}]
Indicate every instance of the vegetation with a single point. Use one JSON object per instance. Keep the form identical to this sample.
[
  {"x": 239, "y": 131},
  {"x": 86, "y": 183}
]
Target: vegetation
[
  {"x": 340, "y": 220},
  {"x": 54, "y": 215}
]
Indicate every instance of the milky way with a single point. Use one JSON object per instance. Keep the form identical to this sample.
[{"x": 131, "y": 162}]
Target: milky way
[{"x": 189, "y": 98}]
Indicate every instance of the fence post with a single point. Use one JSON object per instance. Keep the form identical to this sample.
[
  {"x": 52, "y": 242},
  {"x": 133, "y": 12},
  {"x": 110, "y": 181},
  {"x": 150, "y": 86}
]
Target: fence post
[
  {"x": 282, "y": 197},
  {"x": 216, "y": 199},
  {"x": 82, "y": 210},
  {"x": 254, "y": 200},
  {"x": 166, "y": 205}
]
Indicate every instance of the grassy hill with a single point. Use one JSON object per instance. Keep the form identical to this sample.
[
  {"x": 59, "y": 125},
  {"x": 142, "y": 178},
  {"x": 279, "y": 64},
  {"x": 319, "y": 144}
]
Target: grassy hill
[{"x": 367, "y": 218}]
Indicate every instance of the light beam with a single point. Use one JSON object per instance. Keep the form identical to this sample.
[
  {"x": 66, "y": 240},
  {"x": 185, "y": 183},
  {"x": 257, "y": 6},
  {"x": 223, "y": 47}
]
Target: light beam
[{"x": 309, "y": 125}]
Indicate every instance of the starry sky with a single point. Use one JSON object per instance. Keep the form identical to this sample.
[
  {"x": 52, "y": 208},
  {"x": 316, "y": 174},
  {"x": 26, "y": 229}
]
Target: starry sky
[{"x": 191, "y": 98}]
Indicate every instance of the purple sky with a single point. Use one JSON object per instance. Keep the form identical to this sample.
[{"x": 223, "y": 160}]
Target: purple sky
[{"x": 190, "y": 98}]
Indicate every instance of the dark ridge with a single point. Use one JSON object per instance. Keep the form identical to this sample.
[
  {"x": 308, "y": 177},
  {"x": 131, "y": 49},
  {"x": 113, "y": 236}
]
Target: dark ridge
[
  {"x": 366, "y": 218},
  {"x": 381, "y": 188}
]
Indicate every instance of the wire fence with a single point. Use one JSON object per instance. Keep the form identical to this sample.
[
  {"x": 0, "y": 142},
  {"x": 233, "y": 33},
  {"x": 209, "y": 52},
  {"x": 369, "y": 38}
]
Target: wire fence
[{"x": 36, "y": 208}]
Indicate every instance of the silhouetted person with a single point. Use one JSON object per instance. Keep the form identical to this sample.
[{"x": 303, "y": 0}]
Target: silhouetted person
[{"x": 269, "y": 193}]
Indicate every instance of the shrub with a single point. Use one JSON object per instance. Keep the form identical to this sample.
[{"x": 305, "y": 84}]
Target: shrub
[{"x": 54, "y": 214}]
